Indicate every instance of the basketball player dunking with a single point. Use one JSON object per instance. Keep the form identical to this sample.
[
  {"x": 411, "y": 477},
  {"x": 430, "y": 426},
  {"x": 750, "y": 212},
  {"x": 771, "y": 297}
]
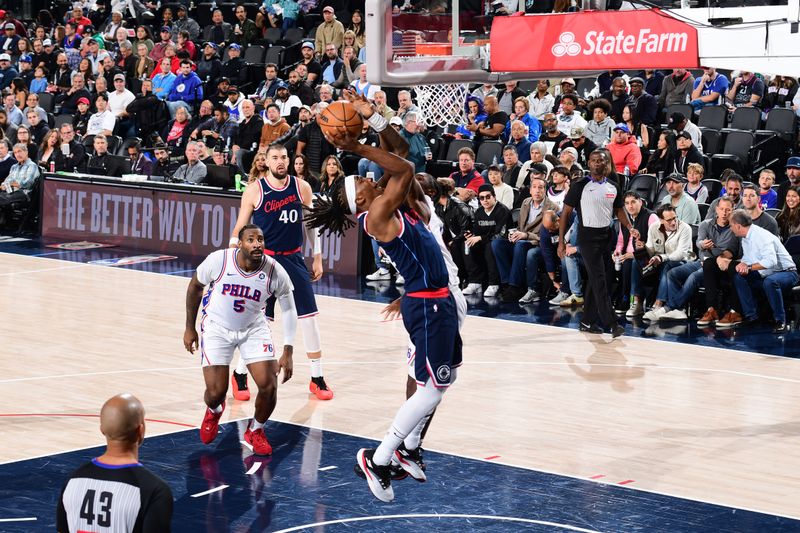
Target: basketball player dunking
[
  {"x": 240, "y": 282},
  {"x": 428, "y": 308},
  {"x": 275, "y": 203}
]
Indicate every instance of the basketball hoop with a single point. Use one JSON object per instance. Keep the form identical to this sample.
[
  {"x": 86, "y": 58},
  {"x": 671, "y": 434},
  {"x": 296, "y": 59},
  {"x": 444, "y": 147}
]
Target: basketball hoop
[{"x": 442, "y": 105}]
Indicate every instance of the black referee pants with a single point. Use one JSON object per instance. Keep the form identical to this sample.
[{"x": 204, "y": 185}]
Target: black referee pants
[{"x": 593, "y": 244}]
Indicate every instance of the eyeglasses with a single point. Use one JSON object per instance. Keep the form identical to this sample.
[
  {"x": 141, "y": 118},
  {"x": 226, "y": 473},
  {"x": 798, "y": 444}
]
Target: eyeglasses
[
  {"x": 673, "y": 219},
  {"x": 483, "y": 197}
]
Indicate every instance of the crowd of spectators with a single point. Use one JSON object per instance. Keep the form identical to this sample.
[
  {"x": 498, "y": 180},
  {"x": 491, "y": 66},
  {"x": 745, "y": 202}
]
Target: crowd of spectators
[{"x": 116, "y": 94}]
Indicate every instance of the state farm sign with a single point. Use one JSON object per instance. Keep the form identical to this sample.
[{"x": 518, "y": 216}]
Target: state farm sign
[{"x": 592, "y": 41}]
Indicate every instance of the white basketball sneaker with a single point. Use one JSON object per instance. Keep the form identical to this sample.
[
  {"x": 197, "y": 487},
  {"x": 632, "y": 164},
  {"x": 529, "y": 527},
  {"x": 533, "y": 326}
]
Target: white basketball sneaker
[{"x": 378, "y": 476}]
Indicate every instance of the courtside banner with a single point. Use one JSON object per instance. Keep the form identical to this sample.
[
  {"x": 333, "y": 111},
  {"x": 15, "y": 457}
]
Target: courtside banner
[{"x": 601, "y": 40}]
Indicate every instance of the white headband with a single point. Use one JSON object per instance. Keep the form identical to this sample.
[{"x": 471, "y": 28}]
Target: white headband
[{"x": 350, "y": 192}]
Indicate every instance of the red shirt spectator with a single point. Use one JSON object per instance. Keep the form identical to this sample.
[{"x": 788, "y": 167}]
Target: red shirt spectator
[
  {"x": 466, "y": 178},
  {"x": 624, "y": 150}
]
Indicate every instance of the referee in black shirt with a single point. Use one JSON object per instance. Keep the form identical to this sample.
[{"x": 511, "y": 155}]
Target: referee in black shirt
[
  {"x": 596, "y": 200},
  {"x": 114, "y": 492}
]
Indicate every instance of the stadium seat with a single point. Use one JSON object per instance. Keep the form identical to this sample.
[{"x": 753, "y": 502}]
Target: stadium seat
[
  {"x": 254, "y": 55},
  {"x": 780, "y": 121},
  {"x": 244, "y": 160},
  {"x": 275, "y": 55},
  {"x": 272, "y": 35},
  {"x": 735, "y": 154},
  {"x": 455, "y": 146},
  {"x": 489, "y": 153},
  {"x": 745, "y": 119},
  {"x": 685, "y": 109},
  {"x": 293, "y": 35},
  {"x": 774, "y": 212},
  {"x": 711, "y": 140},
  {"x": 47, "y": 101},
  {"x": 647, "y": 187},
  {"x": 714, "y": 117},
  {"x": 63, "y": 119},
  {"x": 584, "y": 86},
  {"x": 703, "y": 208},
  {"x": 714, "y": 187}
]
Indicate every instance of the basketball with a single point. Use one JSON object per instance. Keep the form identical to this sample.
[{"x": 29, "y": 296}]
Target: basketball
[{"x": 340, "y": 114}]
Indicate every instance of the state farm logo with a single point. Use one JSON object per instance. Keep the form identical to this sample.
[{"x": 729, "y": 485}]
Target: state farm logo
[{"x": 598, "y": 43}]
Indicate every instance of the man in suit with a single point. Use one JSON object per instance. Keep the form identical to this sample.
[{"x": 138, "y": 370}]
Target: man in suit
[{"x": 519, "y": 256}]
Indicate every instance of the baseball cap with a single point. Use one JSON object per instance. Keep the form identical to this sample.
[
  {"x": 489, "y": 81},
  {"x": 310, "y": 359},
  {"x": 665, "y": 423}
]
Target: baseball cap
[
  {"x": 793, "y": 162},
  {"x": 181, "y": 7},
  {"x": 538, "y": 168},
  {"x": 223, "y": 79},
  {"x": 571, "y": 81},
  {"x": 47, "y": 42},
  {"x": 212, "y": 45},
  {"x": 308, "y": 44},
  {"x": 676, "y": 118},
  {"x": 576, "y": 133},
  {"x": 119, "y": 77},
  {"x": 2, "y": 14},
  {"x": 683, "y": 135},
  {"x": 637, "y": 79},
  {"x": 234, "y": 46},
  {"x": 233, "y": 90},
  {"x": 396, "y": 121},
  {"x": 5, "y": 57},
  {"x": 622, "y": 127},
  {"x": 307, "y": 108},
  {"x": 328, "y": 9},
  {"x": 88, "y": 29},
  {"x": 281, "y": 85},
  {"x": 165, "y": 28},
  {"x": 25, "y": 58},
  {"x": 9, "y": 26},
  {"x": 675, "y": 177},
  {"x": 83, "y": 100}
]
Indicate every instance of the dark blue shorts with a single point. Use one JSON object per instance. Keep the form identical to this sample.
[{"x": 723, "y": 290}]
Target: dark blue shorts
[
  {"x": 432, "y": 324},
  {"x": 304, "y": 300}
]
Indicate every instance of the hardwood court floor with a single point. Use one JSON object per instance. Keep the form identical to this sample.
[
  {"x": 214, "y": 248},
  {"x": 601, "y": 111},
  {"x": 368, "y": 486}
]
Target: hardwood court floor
[{"x": 701, "y": 423}]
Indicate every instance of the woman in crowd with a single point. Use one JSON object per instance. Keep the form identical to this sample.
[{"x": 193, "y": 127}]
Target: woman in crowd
[
  {"x": 24, "y": 137},
  {"x": 144, "y": 65},
  {"x": 50, "y": 152},
  {"x": 24, "y": 46},
  {"x": 789, "y": 217},
  {"x": 143, "y": 36},
  {"x": 538, "y": 155},
  {"x": 662, "y": 160},
  {"x": 475, "y": 114},
  {"x": 357, "y": 27},
  {"x": 301, "y": 170},
  {"x": 85, "y": 68},
  {"x": 20, "y": 90},
  {"x": 521, "y": 112},
  {"x": 349, "y": 39},
  {"x": 637, "y": 130},
  {"x": 177, "y": 132},
  {"x": 330, "y": 172}
]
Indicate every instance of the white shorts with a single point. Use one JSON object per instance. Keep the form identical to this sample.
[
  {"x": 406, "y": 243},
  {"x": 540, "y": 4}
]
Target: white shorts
[
  {"x": 217, "y": 343},
  {"x": 461, "y": 309}
]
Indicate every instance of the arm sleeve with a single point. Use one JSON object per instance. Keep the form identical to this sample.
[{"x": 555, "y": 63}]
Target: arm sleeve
[
  {"x": 158, "y": 516},
  {"x": 281, "y": 287},
  {"x": 702, "y": 234},
  {"x": 767, "y": 256}
]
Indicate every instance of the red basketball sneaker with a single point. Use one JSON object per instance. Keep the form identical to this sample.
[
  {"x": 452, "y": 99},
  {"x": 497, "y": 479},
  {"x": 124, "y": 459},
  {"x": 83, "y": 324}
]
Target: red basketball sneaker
[
  {"x": 258, "y": 441},
  {"x": 210, "y": 426},
  {"x": 239, "y": 386},
  {"x": 320, "y": 389}
]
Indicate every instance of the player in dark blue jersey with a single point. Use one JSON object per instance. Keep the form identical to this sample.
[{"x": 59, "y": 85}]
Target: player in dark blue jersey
[
  {"x": 275, "y": 201},
  {"x": 428, "y": 308}
]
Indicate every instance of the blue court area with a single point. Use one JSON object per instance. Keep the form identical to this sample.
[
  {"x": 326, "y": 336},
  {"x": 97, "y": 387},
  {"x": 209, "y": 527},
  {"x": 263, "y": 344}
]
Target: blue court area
[
  {"x": 759, "y": 339},
  {"x": 309, "y": 485}
]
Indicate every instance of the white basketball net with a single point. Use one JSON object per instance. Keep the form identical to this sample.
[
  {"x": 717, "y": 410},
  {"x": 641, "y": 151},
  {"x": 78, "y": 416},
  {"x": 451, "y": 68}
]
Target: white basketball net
[{"x": 442, "y": 105}]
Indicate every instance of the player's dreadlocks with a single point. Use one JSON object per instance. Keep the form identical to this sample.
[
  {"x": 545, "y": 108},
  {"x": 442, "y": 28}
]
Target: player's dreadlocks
[{"x": 330, "y": 212}]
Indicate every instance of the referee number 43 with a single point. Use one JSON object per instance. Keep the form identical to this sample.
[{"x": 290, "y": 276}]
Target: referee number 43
[{"x": 99, "y": 511}]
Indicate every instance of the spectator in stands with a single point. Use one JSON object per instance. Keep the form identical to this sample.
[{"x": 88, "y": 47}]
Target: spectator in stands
[
  {"x": 568, "y": 118},
  {"x": 61, "y": 76},
  {"x": 361, "y": 86},
  {"x": 482, "y": 91},
  {"x": 475, "y": 114},
  {"x": 164, "y": 80},
  {"x": 266, "y": 89},
  {"x": 303, "y": 91},
  {"x": 74, "y": 152},
  {"x": 568, "y": 157},
  {"x": 624, "y": 150},
  {"x": 457, "y": 219},
  {"x": 24, "y": 137},
  {"x": 96, "y": 56},
  {"x": 349, "y": 41},
  {"x": 187, "y": 89},
  {"x": 605, "y": 80},
  {"x": 301, "y": 171},
  {"x": 677, "y": 88},
  {"x": 508, "y": 96},
  {"x": 118, "y": 101},
  {"x": 617, "y": 97},
  {"x": 9, "y": 41},
  {"x": 330, "y": 172},
  {"x": 417, "y": 146},
  {"x": 7, "y": 129},
  {"x": 789, "y": 217},
  {"x": 551, "y": 135},
  {"x": 490, "y": 223},
  {"x": 158, "y": 51},
  {"x": 312, "y": 143},
  {"x": 769, "y": 197},
  {"x": 36, "y": 80},
  {"x": 582, "y": 146},
  {"x": 653, "y": 82},
  {"x": 183, "y": 22},
  {"x": 494, "y": 125},
  {"x": 184, "y": 44},
  {"x": 694, "y": 185},
  {"x": 751, "y": 203},
  {"x": 643, "y": 104},
  {"x": 559, "y": 185},
  {"x": 792, "y": 173},
  {"x": 541, "y": 101},
  {"x": 219, "y": 31},
  {"x": 662, "y": 160},
  {"x": 81, "y": 118},
  {"x": 600, "y": 129},
  {"x": 314, "y": 69},
  {"x": 380, "y": 105},
  {"x": 708, "y": 89},
  {"x": 15, "y": 116},
  {"x": 50, "y": 152},
  {"x": 139, "y": 163},
  {"x": 223, "y": 130},
  {"x": 714, "y": 240},
  {"x": 249, "y": 128},
  {"x": 683, "y": 204},
  {"x": 669, "y": 245},
  {"x": 234, "y": 103},
  {"x": 350, "y": 71},
  {"x": 193, "y": 171},
  {"x": 567, "y": 87},
  {"x": 72, "y": 40},
  {"x": 163, "y": 168},
  {"x": 687, "y": 153},
  {"x": 32, "y": 104},
  {"x": 521, "y": 113},
  {"x": 104, "y": 120},
  {"x": 209, "y": 68},
  {"x": 7, "y": 72},
  {"x": 638, "y": 130},
  {"x": 502, "y": 191},
  {"x": 6, "y": 159},
  {"x": 629, "y": 249},
  {"x": 511, "y": 167},
  {"x": 325, "y": 93},
  {"x": 467, "y": 180},
  {"x": 245, "y": 32},
  {"x": 234, "y": 68},
  {"x": 19, "y": 183},
  {"x": 406, "y": 105},
  {"x": 519, "y": 256},
  {"x": 274, "y": 126},
  {"x": 747, "y": 90},
  {"x": 143, "y": 66},
  {"x": 330, "y": 31},
  {"x": 766, "y": 266},
  {"x": 733, "y": 189},
  {"x": 357, "y": 27},
  {"x": 101, "y": 163},
  {"x": 37, "y": 127},
  {"x": 145, "y": 37},
  {"x": 538, "y": 154},
  {"x": 680, "y": 123}
]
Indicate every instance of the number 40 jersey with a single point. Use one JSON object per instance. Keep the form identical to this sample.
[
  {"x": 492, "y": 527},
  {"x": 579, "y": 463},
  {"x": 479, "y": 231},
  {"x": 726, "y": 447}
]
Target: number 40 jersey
[{"x": 236, "y": 299}]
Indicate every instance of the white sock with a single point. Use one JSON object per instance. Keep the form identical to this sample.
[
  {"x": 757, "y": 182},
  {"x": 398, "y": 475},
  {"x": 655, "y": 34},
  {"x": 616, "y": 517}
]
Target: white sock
[
  {"x": 257, "y": 425},
  {"x": 216, "y": 410},
  {"x": 316, "y": 368},
  {"x": 241, "y": 366},
  {"x": 413, "y": 440}
]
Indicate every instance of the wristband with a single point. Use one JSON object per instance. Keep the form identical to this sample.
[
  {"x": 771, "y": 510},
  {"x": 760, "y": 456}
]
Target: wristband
[
  {"x": 378, "y": 122},
  {"x": 233, "y": 240}
]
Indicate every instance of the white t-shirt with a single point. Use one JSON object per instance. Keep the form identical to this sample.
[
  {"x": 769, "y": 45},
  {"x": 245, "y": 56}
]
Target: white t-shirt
[
  {"x": 100, "y": 122},
  {"x": 505, "y": 195},
  {"x": 236, "y": 299},
  {"x": 118, "y": 102}
]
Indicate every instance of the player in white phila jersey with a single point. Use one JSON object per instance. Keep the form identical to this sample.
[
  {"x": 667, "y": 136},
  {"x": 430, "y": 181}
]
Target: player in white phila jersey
[{"x": 240, "y": 281}]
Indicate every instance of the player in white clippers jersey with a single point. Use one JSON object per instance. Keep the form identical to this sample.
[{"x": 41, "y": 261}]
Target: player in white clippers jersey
[{"x": 240, "y": 281}]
